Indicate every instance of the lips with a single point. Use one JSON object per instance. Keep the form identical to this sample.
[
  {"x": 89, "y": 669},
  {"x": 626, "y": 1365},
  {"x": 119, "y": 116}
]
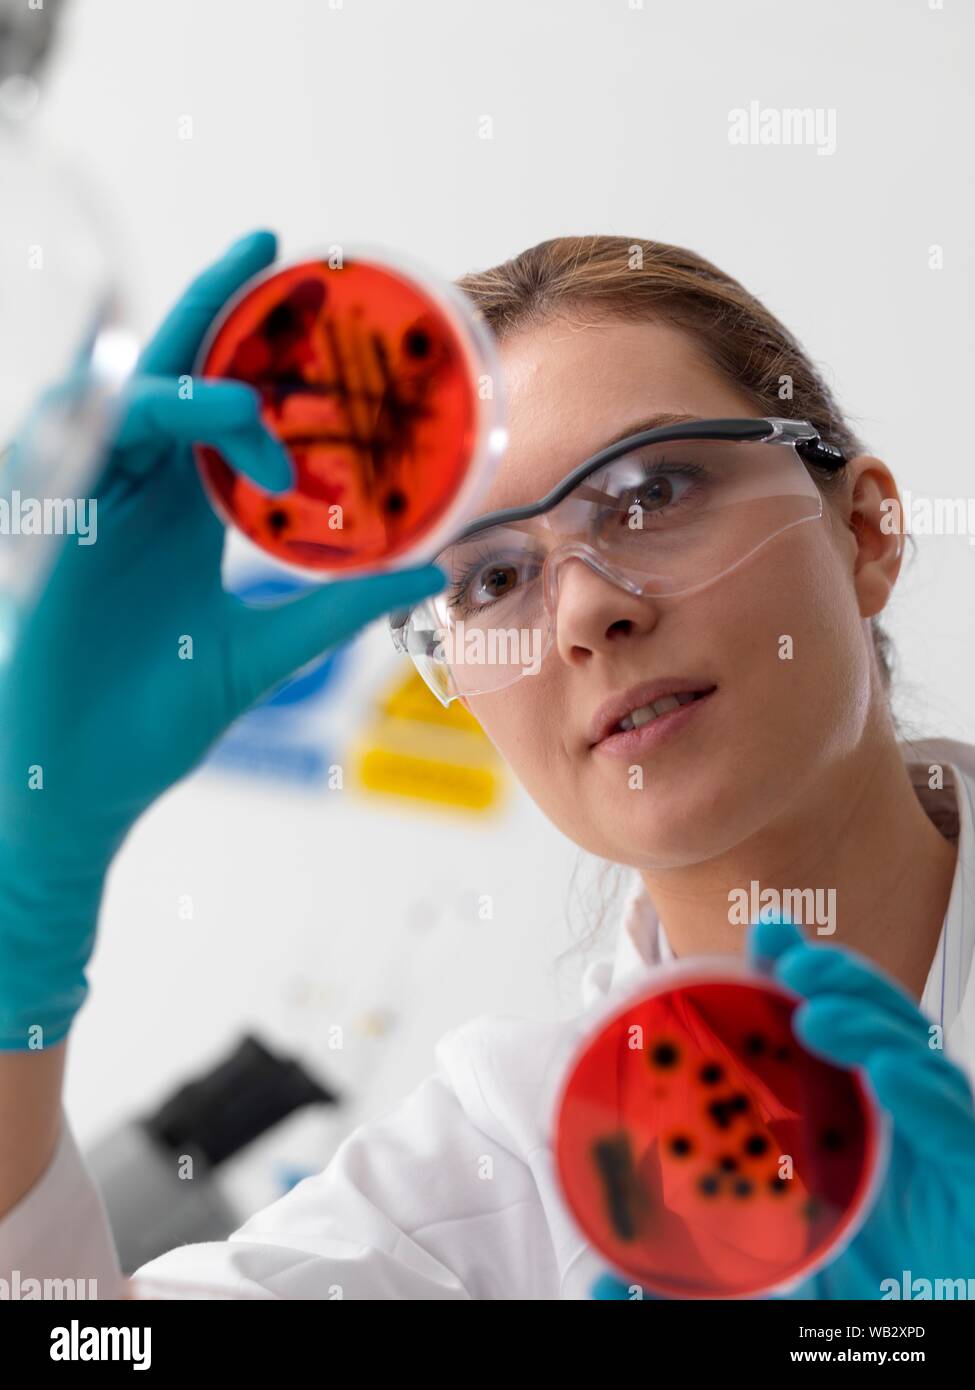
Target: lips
[{"x": 667, "y": 694}]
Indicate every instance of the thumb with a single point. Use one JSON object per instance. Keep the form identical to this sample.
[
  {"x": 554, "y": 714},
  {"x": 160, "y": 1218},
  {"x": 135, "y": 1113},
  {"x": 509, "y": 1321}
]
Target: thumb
[
  {"x": 931, "y": 1104},
  {"x": 271, "y": 643}
]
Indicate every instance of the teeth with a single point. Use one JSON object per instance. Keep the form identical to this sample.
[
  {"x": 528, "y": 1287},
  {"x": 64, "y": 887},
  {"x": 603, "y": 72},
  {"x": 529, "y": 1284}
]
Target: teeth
[
  {"x": 646, "y": 713},
  {"x": 665, "y": 705},
  {"x": 641, "y": 716}
]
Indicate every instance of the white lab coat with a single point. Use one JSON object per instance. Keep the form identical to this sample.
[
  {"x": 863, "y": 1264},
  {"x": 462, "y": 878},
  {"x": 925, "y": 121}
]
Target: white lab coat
[{"x": 453, "y": 1195}]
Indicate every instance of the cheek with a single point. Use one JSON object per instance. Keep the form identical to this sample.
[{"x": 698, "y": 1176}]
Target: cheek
[
  {"x": 802, "y": 651},
  {"x": 785, "y": 643},
  {"x": 783, "y": 638},
  {"x": 522, "y": 723}
]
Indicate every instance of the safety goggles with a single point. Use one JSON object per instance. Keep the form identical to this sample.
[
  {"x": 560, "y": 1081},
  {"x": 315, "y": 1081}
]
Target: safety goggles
[{"x": 661, "y": 513}]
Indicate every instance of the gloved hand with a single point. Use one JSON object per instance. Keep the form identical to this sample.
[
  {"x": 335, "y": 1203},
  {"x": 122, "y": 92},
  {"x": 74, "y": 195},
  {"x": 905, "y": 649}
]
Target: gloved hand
[
  {"x": 100, "y": 712},
  {"x": 923, "y": 1220}
]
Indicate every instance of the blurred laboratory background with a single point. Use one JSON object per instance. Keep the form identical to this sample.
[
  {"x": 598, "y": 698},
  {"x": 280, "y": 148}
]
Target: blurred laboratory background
[{"x": 352, "y": 873}]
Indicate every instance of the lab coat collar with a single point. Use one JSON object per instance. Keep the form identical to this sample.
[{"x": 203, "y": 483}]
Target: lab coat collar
[{"x": 642, "y": 942}]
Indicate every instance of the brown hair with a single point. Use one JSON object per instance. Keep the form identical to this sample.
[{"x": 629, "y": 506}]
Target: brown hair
[{"x": 635, "y": 281}]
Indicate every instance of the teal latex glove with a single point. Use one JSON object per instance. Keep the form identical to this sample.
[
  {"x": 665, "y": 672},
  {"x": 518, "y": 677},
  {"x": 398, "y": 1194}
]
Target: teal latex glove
[
  {"x": 99, "y": 712},
  {"x": 923, "y": 1220}
]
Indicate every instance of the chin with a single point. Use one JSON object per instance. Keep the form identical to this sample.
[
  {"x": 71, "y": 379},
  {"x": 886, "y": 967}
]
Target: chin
[{"x": 692, "y": 825}]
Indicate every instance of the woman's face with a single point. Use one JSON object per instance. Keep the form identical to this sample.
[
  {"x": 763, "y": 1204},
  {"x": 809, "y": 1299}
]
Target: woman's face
[{"x": 757, "y": 749}]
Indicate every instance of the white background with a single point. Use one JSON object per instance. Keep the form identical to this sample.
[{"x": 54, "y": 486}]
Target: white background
[{"x": 361, "y": 122}]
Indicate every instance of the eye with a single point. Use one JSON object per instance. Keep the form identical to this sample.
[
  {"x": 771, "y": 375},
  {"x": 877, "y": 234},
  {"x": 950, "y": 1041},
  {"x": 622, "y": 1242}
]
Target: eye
[
  {"x": 663, "y": 486},
  {"x": 657, "y": 493},
  {"x": 642, "y": 492},
  {"x": 494, "y": 582},
  {"x": 482, "y": 581}
]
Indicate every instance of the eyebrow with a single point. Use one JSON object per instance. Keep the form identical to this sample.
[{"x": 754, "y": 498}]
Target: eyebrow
[{"x": 649, "y": 422}]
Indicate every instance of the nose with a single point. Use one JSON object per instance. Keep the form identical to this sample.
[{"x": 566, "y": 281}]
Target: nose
[{"x": 593, "y": 614}]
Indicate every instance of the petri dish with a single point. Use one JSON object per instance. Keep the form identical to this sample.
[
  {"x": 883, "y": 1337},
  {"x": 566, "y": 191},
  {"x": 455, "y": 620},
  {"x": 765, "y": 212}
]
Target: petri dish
[
  {"x": 702, "y": 1150},
  {"x": 384, "y": 387}
]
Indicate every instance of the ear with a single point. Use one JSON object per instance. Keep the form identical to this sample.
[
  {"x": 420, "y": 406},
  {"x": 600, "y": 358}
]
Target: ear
[{"x": 873, "y": 517}]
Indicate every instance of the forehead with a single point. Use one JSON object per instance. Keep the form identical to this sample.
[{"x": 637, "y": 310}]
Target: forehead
[{"x": 574, "y": 384}]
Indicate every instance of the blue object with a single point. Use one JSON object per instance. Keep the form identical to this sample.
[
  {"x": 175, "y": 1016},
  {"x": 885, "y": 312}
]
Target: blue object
[
  {"x": 133, "y": 660},
  {"x": 921, "y": 1228},
  {"x": 269, "y": 590},
  {"x": 610, "y": 1289},
  {"x": 273, "y": 739}
]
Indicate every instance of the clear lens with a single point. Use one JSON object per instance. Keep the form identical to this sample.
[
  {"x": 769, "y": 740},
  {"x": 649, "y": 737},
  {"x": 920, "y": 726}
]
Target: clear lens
[
  {"x": 676, "y": 516},
  {"x": 663, "y": 520},
  {"x": 487, "y": 629},
  {"x": 423, "y": 638}
]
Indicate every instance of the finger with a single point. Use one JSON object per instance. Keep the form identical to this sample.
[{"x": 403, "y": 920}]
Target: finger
[
  {"x": 930, "y": 1101},
  {"x": 172, "y": 351},
  {"x": 769, "y": 938},
  {"x": 258, "y": 455},
  {"x": 270, "y": 644},
  {"x": 815, "y": 970},
  {"x": 225, "y": 414},
  {"x": 156, "y": 405},
  {"x": 850, "y": 1032}
]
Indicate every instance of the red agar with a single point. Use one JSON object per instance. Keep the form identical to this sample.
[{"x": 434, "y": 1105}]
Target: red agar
[
  {"x": 706, "y": 1153},
  {"x": 365, "y": 381}
]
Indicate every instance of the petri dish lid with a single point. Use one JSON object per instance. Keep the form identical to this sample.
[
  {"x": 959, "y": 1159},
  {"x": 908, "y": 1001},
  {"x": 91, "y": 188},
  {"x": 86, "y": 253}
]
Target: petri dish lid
[
  {"x": 701, "y": 1149},
  {"x": 385, "y": 388}
]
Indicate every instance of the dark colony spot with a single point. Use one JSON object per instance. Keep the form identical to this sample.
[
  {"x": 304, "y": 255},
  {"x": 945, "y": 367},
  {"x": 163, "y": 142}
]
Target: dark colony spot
[
  {"x": 782, "y": 1054},
  {"x": 417, "y": 343},
  {"x": 664, "y": 1055},
  {"x": 812, "y": 1208},
  {"x": 624, "y": 1197},
  {"x": 831, "y": 1139},
  {"x": 743, "y": 1188},
  {"x": 281, "y": 319},
  {"x": 395, "y": 502},
  {"x": 738, "y": 1103},
  {"x": 708, "y": 1185},
  {"x": 711, "y": 1073},
  {"x": 290, "y": 318},
  {"x": 756, "y": 1144},
  {"x": 778, "y": 1184},
  {"x": 728, "y": 1163},
  {"x": 680, "y": 1145},
  {"x": 720, "y": 1112},
  {"x": 754, "y": 1044},
  {"x": 277, "y": 520}
]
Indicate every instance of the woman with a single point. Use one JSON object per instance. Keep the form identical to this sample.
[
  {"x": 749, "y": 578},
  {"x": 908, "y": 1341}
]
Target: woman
[{"x": 719, "y": 722}]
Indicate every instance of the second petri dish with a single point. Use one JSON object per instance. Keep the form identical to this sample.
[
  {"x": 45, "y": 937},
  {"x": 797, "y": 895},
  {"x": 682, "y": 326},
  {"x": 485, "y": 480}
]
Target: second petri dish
[{"x": 703, "y": 1150}]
